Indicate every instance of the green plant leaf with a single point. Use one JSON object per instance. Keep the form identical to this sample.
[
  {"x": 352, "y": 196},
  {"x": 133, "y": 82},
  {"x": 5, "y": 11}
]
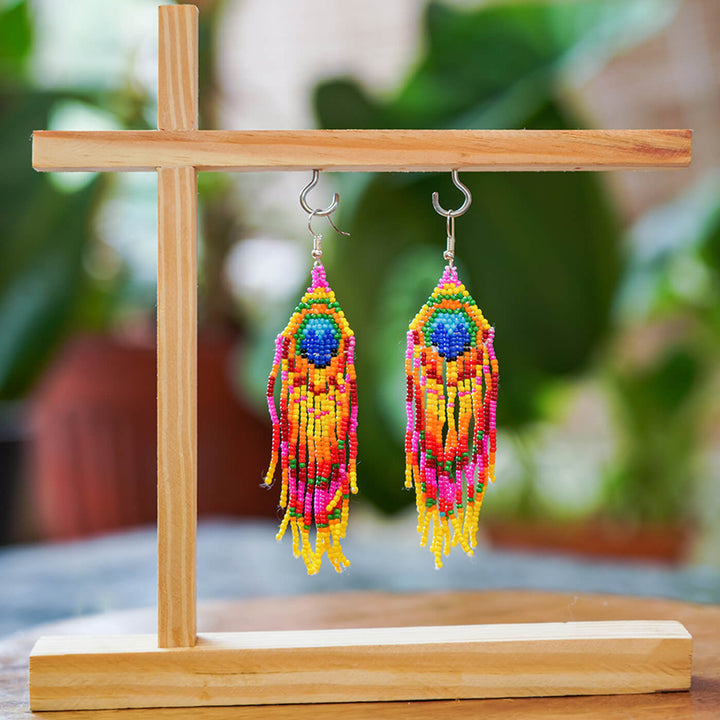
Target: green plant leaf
[
  {"x": 41, "y": 250},
  {"x": 658, "y": 405},
  {"x": 16, "y": 38},
  {"x": 495, "y": 66}
]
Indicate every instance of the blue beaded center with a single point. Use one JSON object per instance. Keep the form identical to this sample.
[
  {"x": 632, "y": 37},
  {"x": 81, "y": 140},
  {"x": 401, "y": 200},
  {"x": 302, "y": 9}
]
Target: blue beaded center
[
  {"x": 319, "y": 339},
  {"x": 450, "y": 334}
]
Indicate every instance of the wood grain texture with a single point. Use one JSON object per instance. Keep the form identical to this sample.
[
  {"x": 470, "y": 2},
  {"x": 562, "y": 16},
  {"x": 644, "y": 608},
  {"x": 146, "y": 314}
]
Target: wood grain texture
[
  {"x": 378, "y": 609},
  {"x": 178, "y": 68},
  {"x": 364, "y": 150},
  {"x": 177, "y": 334},
  {"x": 364, "y": 664},
  {"x": 177, "y": 405}
]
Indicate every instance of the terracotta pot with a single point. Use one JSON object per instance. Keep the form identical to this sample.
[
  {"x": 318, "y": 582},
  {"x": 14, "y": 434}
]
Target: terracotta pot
[
  {"x": 604, "y": 539},
  {"x": 93, "y": 449}
]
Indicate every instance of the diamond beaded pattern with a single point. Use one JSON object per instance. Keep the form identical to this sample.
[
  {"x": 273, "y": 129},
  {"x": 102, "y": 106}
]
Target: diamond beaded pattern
[
  {"x": 452, "y": 382},
  {"x": 315, "y": 431}
]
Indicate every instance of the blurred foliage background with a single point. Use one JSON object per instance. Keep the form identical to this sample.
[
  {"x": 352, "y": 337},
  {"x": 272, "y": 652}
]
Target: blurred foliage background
[{"x": 604, "y": 290}]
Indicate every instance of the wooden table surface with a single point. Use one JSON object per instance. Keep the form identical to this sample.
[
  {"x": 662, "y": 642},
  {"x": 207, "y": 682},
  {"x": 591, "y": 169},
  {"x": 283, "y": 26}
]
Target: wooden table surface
[{"x": 376, "y": 609}]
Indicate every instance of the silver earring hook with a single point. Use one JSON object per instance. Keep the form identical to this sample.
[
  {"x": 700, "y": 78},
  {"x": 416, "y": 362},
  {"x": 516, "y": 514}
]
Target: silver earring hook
[
  {"x": 450, "y": 215},
  {"x": 319, "y": 212}
]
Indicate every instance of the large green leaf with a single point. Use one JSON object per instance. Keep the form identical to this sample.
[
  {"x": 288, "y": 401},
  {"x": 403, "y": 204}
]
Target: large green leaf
[
  {"x": 496, "y": 66},
  {"x": 44, "y": 232},
  {"x": 539, "y": 251},
  {"x": 15, "y": 39}
]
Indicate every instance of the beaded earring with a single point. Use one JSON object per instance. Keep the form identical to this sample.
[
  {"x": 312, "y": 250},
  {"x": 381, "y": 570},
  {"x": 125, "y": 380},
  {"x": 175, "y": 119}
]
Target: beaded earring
[
  {"x": 452, "y": 382},
  {"x": 315, "y": 431}
]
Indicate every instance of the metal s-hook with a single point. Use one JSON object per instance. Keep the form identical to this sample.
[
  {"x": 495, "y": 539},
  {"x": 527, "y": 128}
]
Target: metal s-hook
[
  {"x": 312, "y": 211},
  {"x": 466, "y": 202},
  {"x": 450, "y": 215},
  {"x": 319, "y": 212}
]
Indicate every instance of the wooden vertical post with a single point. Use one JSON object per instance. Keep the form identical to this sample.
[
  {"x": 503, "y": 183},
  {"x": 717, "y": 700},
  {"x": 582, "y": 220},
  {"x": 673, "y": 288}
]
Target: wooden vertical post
[{"x": 177, "y": 335}]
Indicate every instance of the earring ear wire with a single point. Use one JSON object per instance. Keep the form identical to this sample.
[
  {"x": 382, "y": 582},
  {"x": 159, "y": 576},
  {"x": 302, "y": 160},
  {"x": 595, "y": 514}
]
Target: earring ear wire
[
  {"x": 449, "y": 253},
  {"x": 319, "y": 212}
]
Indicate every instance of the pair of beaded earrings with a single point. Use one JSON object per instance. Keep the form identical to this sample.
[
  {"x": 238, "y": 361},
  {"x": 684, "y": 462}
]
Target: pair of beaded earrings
[{"x": 452, "y": 382}]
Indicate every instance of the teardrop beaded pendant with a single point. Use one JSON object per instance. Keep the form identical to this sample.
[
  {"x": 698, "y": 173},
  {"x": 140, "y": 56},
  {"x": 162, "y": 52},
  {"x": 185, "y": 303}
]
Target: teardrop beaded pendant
[
  {"x": 452, "y": 383},
  {"x": 315, "y": 432}
]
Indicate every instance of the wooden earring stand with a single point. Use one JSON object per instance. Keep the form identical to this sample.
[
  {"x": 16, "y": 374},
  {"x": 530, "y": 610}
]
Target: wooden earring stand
[{"x": 180, "y": 668}]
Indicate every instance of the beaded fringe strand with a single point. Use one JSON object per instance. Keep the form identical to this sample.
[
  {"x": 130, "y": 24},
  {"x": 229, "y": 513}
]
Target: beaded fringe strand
[
  {"x": 452, "y": 383},
  {"x": 315, "y": 433}
]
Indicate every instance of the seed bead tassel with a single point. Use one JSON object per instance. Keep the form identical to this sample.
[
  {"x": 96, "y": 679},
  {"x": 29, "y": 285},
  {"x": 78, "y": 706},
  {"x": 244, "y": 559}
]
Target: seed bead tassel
[
  {"x": 315, "y": 431},
  {"x": 451, "y": 400}
]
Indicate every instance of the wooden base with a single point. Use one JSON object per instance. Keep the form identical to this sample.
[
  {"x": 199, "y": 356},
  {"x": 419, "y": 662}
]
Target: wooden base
[{"x": 319, "y": 666}]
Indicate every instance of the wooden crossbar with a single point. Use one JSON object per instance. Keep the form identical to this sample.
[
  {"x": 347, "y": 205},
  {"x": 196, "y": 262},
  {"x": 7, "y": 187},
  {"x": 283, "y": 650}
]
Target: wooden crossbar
[{"x": 363, "y": 150}]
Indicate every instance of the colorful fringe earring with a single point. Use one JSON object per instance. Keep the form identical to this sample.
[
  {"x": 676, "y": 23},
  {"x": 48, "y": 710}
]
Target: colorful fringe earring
[
  {"x": 452, "y": 384},
  {"x": 315, "y": 431}
]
